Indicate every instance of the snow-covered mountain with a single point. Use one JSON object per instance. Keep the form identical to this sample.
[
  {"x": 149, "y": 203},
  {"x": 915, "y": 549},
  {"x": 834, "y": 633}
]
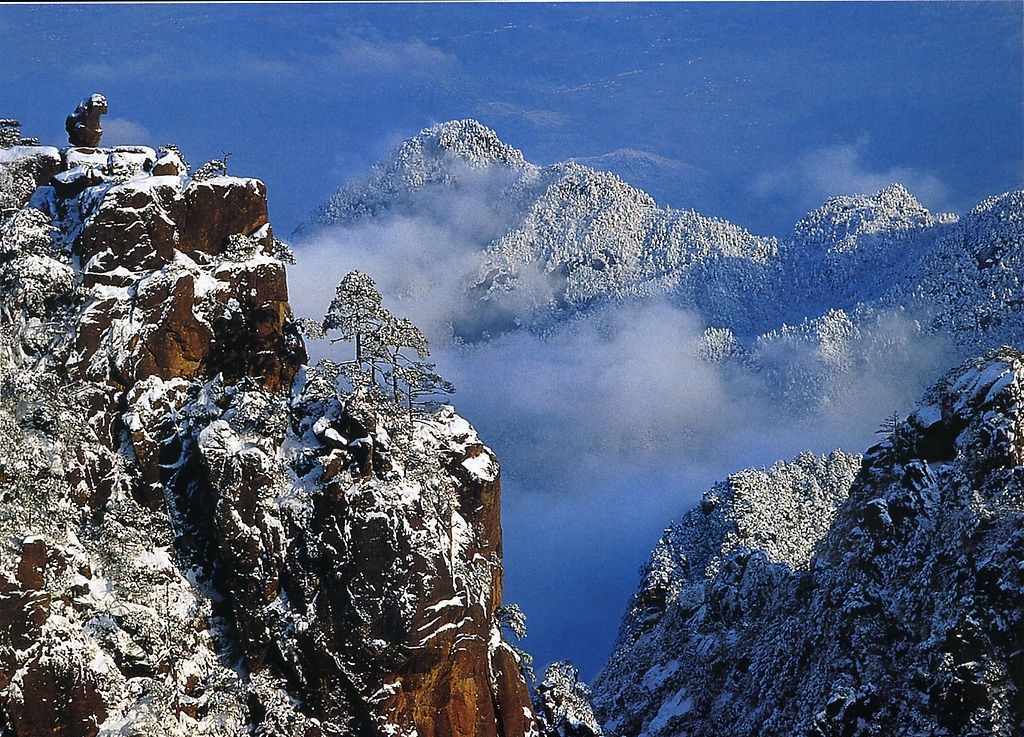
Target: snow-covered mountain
[
  {"x": 557, "y": 240},
  {"x": 202, "y": 534},
  {"x": 826, "y": 595},
  {"x": 840, "y": 596},
  {"x": 549, "y": 244}
]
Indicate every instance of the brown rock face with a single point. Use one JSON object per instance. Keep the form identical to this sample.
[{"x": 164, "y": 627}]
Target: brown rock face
[
  {"x": 178, "y": 343},
  {"x": 392, "y": 587},
  {"x": 133, "y": 227},
  {"x": 55, "y": 698},
  {"x": 219, "y": 207},
  {"x": 32, "y": 568},
  {"x": 22, "y": 615},
  {"x": 83, "y": 125},
  {"x": 512, "y": 696},
  {"x": 142, "y": 223},
  {"x": 456, "y": 681},
  {"x": 253, "y": 332},
  {"x": 241, "y": 323}
]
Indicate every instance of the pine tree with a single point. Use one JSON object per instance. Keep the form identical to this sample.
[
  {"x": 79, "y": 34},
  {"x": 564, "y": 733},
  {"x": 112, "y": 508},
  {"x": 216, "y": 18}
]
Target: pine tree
[
  {"x": 422, "y": 380},
  {"x": 209, "y": 170},
  {"x": 10, "y": 134},
  {"x": 394, "y": 336},
  {"x": 392, "y": 349},
  {"x": 355, "y": 311},
  {"x": 513, "y": 619}
]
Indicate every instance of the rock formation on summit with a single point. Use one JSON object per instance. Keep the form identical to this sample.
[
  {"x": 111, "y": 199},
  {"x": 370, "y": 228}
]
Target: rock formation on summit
[
  {"x": 83, "y": 125},
  {"x": 204, "y": 535}
]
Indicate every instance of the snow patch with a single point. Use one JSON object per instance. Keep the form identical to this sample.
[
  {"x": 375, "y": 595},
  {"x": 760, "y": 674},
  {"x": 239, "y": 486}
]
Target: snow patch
[
  {"x": 679, "y": 705},
  {"x": 482, "y": 467}
]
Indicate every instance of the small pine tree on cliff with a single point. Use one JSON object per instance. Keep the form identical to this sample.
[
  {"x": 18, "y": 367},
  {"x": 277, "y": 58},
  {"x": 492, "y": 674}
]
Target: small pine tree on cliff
[
  {"x": 355, "y": 311},
  {"x": 389, "y": 351}
]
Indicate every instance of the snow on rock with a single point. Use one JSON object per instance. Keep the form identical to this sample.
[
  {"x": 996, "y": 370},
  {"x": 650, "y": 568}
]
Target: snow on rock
[
  {"x": 564, "y": 239},
  {"x": 14, "y": 154},
  {"x": 563, "y": 703},
  {"x": 195, "y": 545},
  {"x": 898, "y": 613},
  {"x": 481, "y": 467},
  {"x": 22, "y": 169}
]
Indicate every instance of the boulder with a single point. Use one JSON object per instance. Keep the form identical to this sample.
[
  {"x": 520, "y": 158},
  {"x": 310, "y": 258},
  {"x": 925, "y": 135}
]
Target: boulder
[
  {"x": 83, "y": 125},
  {"x": 32, "y": 567}
]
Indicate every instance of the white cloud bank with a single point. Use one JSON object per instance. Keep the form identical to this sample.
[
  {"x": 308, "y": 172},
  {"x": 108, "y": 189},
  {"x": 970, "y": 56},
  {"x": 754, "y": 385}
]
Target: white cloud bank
[
  {"x": 825, "y": 172},
  {"x": 122, "y": 132},
  {"x": 613, "y": 424}
]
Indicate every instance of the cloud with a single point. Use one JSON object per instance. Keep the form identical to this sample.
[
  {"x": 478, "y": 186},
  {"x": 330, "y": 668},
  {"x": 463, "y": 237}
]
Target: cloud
[
  {"x": 626, "y": 391},
  {"x": 613, "y": 424},
  {"x": 538, "y": 118},
  {"x": 602, "y": 83},
  {"x": 122, "y": 132},
  {"x": 626, "y": 386},
  {"x": 421, "y": 256},
  {"x": 826, "y": 172},
  {"x": 362, "y": 56}
]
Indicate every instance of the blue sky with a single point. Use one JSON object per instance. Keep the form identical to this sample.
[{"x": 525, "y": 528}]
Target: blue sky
[
  {"x": 754, "y": 112},
  {"x": 764, "y": 109}
]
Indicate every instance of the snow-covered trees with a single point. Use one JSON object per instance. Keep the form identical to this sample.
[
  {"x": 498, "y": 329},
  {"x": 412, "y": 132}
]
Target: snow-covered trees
[
  {"x": 212, "y": 168},
  {"x": 562, "y": 702},
  {"x": 355, "y": 310},
  {"x": 513, "y": 619},
  {"x": 390, "y": 352},
  {"x": 10, "y": 134}
]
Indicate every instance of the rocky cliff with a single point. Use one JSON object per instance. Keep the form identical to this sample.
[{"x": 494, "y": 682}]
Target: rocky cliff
[
  {"x": 201, "y": 534},
  {"x": 891, "y": 605}
]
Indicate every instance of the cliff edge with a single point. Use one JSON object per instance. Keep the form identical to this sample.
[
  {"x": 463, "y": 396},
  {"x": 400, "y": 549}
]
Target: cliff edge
[{"x": 201, "y": 533}]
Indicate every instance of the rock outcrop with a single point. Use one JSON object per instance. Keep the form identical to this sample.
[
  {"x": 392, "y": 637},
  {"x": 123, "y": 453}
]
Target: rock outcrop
[
  {"x": 213, "y": 537},
  {"x": 563, "y": 705},
  {"x": 22, "y": 169},
  {"x": 83, "y": 125},
  {"x": 907, "y": 618}
]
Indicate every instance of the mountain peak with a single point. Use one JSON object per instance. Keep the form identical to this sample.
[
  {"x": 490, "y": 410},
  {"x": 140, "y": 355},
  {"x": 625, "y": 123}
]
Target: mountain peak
[
  {"x": 442, "y": 155},
  {"x": 471, "y": 141},
  {"x": 897, "y": 194},
  {"x": 842, "y": 219}
]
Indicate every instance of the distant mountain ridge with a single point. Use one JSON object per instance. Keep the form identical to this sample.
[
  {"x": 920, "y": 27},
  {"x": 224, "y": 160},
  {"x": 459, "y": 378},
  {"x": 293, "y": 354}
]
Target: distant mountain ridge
[
  {"x": 566, "y": 236},
  {"x": 566, "y": 240}
]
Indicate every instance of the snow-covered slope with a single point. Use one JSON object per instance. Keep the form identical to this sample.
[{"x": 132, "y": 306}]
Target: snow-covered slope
[
  {"x": 590, "y": 238},
  {"x": 854, "y": 249},
  {"x": 551, "y": 244},
  {"x": 794, "y": 602},
  {"x": 201, "y": 535},
  {"x": 971, "y": 282},
  {"x": 558, "y": 240}
]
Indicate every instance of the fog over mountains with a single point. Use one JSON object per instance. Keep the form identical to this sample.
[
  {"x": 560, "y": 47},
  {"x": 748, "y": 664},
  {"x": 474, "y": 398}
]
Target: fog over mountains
[
  {"x": 621, "y": 355},
  {"x": 221, "y": 519}
]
